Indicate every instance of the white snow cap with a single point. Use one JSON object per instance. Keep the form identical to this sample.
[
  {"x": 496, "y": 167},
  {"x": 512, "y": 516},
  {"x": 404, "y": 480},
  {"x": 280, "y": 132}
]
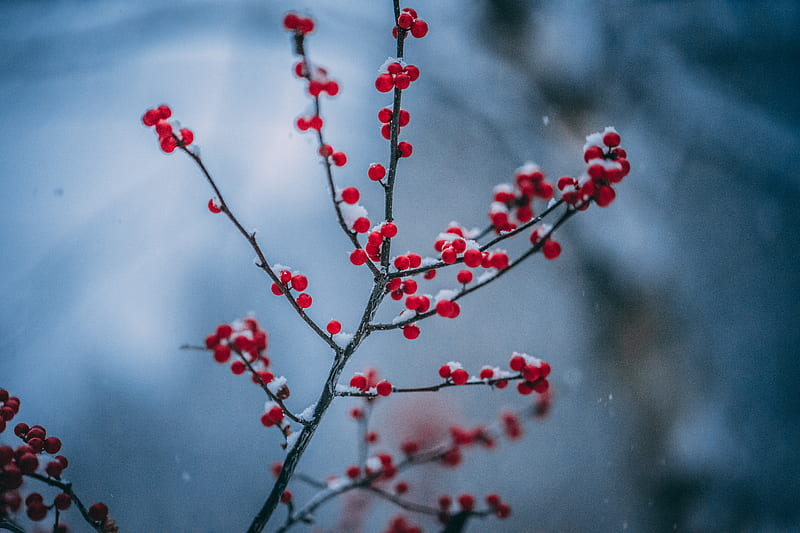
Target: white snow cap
[
  {"x": 352, "y": 212},
  {"x": 308, "y": 412},
  {"x": 445, "y": 294},
  {"x": 503, "y": 187},
  {"x": 275, "y": 385},
  {"x": 528, "y": 168},
  {"x": 389, "y": 61},
  {"x": 342, "y": 339}
]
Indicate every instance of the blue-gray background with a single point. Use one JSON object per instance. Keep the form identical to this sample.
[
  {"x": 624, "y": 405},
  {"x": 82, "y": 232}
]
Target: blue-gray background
[{"x": 670, "y": 319}]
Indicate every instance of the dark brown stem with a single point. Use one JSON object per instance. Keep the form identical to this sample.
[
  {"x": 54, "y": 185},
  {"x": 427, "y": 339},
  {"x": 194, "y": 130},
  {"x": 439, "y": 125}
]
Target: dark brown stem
[
  {"x": 434, "y": 388},
  {"x": 263, "y": 264}
]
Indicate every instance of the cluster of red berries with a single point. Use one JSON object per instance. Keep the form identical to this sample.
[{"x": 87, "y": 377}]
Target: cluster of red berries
[
  {"x": 298, "y": 23},
  {"x": 157, "y": 118},
  {"x": 466, "y": 502},
  {"x": 534, "y": 372},
  {"x": 399, "y": 524},
  {"x": 512, "y": 205},
  {"x": 454, "y": 243},
  {"x": 318, "y": 80},
  {"x": 397, "y": 75},
  {"x": 9, "y": 407},
  {"x": 367, "y": 381},
  {"x": 247, "y": 339},
  {"x": 410, "y": 21},
  {"x": 375, "y": 239},
  {"x": 309, "y": 123},
  {"x": 337, "y": 158},
  {"x": 293, "y": 281},
  {"x": 385, "y": 116},
  {"x": 607, "y": 164},
  {"x": 550, "y": 248}
]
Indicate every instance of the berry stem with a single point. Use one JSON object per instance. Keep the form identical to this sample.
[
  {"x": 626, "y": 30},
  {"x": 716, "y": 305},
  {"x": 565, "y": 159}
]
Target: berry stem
[
  {"x": 263, "y": 264},
  {"x": 434, "y": 388},
  {"x": 394, "y": 155},
  {"x": 307, "y": 70}
]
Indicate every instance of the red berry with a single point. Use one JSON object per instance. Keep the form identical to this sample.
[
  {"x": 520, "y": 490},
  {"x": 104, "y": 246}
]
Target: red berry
[
  {"x": 405, "y": 117},
  {"x": 498, "y": 260},
  {"x": 409, "y": 447},
  {"x": 449, "y": 256},
  {"x": 163, "y": 128},
  {"x": 445, "y": 371},
  {"x": 419, "y": 28},
  {"x": 464, "y": 276},
  {"x": 467, "y": 502},
  {"x": 52, "y": 445},
  {"x": 429, "y": 275},
  {"x": 389, "y": 230},
  {"x": 222, "y": 353},
  {"x": 238, "y": 368},
  {"x": 19, "y": 430},
  {"x": 402, "y": 81},
  {"x": 332, "y": 88},
  {"x": 164, "y": 111},
  {"x": 359, "y": 381},
  {"x": 517, "y": 363},
  {"x": 386, "y": 132},
  {"x": 302, "y": 124},
  {"x": 286, "y": 497},
  {"x": 299, "y": 282},
  {"x": 53, "y": 469},
  {"x": 315, "y": 122},
  {"x": 168, "y": 144},
  {"x": 350, "y": 195},
  {"x": 353, "y": 472},
  {"x": 224, "y": 331},
  {"x": 404, "y": 20},
  {"x": 304, "y": 300},
  {"x": 459, "y": 376},
  {"x": 384, "y": 388},
  {"x": 611, "y": 139},
  {"x": 150, "y": 117},
  {"x": 285, "y": 276},
  {"x": 187, "y": 136},
  {"x": 384, "y": 82},
  {"x": 405, "y": 149},
  {"x": 275, "y": 414},
  {"x": 376, "y": 171},
  {"x": 401, "y": 487},
  {"x": 62, "y": 501},
  {"x": 361, "y": 225},
  {"x": 472, "y": 258},
  {"x": 358, "y": 256},
  {"x": 414, "y": 260},
  {"x": 37, "y": 511},
  {"x": 290, "y": 21},
  {"x": 486, "y": 373},
  {"x": 551, "y": 249},
  {"x": 213, "y": 207},
  {"x": 98, "y": 512},
  {"x": 409, "y": 286},
  {"x": 276, "y": 289},
  {"x": 401, "y": 262},
  {"x": 334, "y": 327},
  {"x": 593, "y": 152},
  {"x": 339, "y": 159},
  {"x": 325, "y": 150},
  {"x": 385, "y": 115},
  {"x": 604, "y": 196},
  {"x": 411, "y": 331},
  {"x": 413, "y": 72}
]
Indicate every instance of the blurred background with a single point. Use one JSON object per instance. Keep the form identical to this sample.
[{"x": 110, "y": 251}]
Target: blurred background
[{"x": 670, "y": 319}]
